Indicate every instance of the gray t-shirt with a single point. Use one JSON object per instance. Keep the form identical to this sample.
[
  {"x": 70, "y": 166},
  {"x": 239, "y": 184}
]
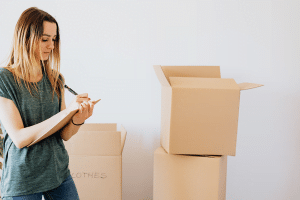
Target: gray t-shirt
[{"x": 44, "y": 165}]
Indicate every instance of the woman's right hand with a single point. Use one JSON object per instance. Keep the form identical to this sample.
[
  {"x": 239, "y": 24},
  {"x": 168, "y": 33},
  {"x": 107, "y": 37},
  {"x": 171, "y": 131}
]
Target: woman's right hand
[{"x": 76, "y": 102}]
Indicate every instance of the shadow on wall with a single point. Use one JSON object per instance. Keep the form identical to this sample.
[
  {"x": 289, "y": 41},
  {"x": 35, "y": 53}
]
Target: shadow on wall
[{"x": 138, "y": 156}]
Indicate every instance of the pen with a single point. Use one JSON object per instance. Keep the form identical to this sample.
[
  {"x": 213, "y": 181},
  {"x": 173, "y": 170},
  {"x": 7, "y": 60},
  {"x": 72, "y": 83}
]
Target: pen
[
  {"x": 75, "y": 93},
  {"x": 72, "y": 91}
]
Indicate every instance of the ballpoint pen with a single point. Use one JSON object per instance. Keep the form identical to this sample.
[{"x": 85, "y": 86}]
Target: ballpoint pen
[
  {"x": 75, "y": 93},
  {"x": 72, "y": 91}
]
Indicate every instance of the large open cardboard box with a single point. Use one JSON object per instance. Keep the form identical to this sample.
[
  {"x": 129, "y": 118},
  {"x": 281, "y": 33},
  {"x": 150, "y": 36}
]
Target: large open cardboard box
[
  {"x": 96, "y": 161},
  {"x": 189, "y": 177},
  {"x": 199, "y": 110}
]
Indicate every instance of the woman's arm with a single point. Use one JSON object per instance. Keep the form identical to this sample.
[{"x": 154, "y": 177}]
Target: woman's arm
[
  {"x": 85, "y": 111},
  {"x": 12, "y": 121}
]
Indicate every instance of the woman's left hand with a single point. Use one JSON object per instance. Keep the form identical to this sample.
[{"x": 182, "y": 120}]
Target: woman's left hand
[{"x": 84, "y": 112}]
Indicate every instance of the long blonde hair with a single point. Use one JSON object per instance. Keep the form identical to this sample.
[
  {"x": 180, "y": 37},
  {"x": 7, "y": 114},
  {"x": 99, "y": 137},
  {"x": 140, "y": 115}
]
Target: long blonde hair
[{"x": 22, "y": 60}]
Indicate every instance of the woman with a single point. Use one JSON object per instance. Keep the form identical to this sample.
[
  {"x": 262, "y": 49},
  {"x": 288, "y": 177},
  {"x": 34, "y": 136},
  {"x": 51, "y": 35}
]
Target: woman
[{"x": 32, "y": 98}]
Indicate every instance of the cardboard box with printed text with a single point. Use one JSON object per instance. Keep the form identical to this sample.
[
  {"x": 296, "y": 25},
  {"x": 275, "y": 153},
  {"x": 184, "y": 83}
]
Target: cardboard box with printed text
[
  {"x": 188, "y": 176},
  {"x": 96, "y": 161},
  {"x": 199, "y": 110}
]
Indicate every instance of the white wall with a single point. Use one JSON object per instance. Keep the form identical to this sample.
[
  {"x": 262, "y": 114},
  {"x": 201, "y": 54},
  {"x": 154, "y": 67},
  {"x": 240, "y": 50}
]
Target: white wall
[{"x": 109, "y": 48}]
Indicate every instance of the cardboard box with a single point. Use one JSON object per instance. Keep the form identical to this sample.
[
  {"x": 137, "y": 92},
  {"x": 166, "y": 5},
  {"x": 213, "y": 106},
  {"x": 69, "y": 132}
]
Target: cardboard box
[
  {"x": 189, "y": 177},
  {"x": 96, "y": 161},
  {"x": 199, "y": 110}
]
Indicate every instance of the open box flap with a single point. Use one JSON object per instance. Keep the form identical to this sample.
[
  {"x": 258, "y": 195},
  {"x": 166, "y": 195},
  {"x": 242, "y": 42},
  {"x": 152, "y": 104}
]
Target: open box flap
[
  {"x": 203, "y": 83},
  {"x": 123, "y": 137},
  {"x": 191, "y": 71},
  {"x": 161, "y": 76},
  {"x": 95, "y": 143},
  {"x": 99, "y": 127},
  {"x": 247, "y": 86},
  {"x": 164, "y": 72}
]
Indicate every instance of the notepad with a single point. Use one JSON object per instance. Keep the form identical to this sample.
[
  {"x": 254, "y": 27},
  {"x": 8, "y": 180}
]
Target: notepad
[{"x": 53, "y": 128}]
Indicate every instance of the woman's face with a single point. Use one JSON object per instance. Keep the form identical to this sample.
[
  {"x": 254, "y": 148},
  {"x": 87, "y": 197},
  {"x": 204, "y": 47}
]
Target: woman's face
[{"x": 47, "y": 41}]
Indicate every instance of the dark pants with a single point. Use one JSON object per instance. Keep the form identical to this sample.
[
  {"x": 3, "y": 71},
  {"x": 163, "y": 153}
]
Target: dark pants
[{"x": 66, "y": 191}]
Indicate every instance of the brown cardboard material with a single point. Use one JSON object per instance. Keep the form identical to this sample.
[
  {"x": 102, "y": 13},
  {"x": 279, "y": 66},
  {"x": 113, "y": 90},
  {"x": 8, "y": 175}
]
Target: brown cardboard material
[
  {"x": 188, "y": 177},
  {"x": 95, "y": 154},
  {"x": 54, "y": 127},
  {"x": 199, "y": 110}
]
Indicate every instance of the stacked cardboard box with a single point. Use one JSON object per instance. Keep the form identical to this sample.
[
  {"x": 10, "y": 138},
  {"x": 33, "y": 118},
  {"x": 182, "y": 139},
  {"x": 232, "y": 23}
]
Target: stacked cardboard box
[
  {"x": 95, "y": 154},
  {"x": 199, "y": 120}
]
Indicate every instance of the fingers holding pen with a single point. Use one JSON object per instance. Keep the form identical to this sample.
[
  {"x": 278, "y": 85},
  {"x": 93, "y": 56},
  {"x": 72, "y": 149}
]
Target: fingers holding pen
[
  {"x": 91, "y": 106},
  {"x": 83, "y": 107},
  {"x": 85, "y": 111},
  {"x": 80, "y": 109},
  {"x": 79, "y": 100},
  {"x": 82, "y": 97},
  {"x": 87, "y": 108}
]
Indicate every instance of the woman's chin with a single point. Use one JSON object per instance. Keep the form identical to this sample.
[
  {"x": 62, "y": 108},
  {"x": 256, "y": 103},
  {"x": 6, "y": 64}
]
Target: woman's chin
[{"x": 44, "y": 59}]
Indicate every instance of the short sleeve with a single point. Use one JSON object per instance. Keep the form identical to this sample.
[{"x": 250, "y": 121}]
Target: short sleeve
[
  {"x": 6, "y": 81},
  {"x": 62, "y": 83},
  {"x": 62, "y": 79}
]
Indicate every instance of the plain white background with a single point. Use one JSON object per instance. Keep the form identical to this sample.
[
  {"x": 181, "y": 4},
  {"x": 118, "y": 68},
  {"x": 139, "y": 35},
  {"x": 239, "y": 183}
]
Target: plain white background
[{"x": 109, "y": 48}]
